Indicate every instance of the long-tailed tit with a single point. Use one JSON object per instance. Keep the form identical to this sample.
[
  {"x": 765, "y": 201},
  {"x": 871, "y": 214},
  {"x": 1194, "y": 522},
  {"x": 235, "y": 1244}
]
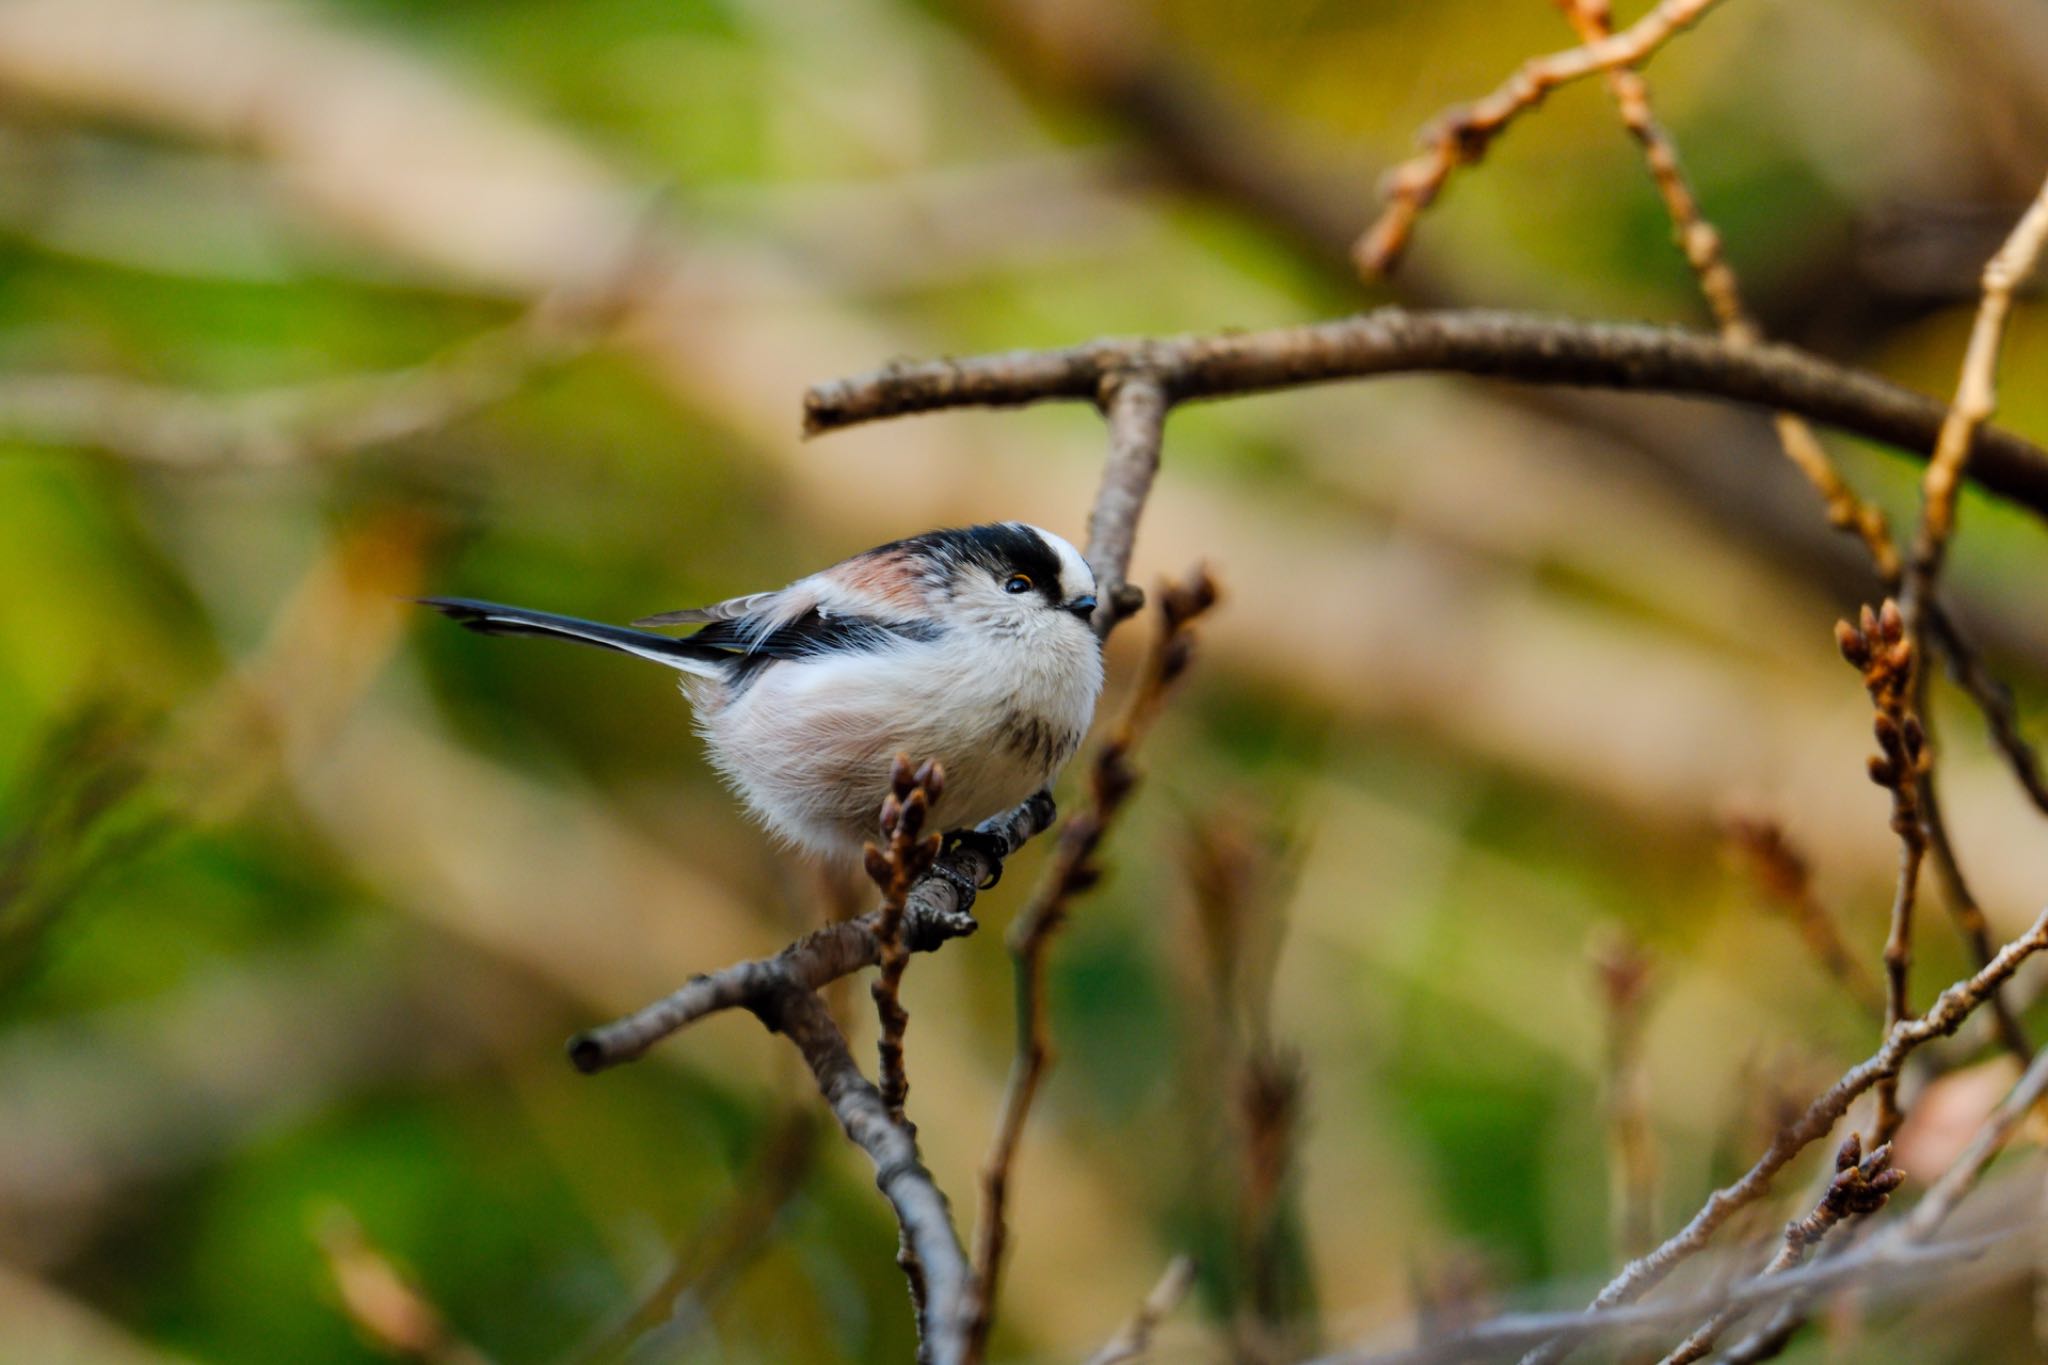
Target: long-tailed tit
[{"x": 970, "y": 646}]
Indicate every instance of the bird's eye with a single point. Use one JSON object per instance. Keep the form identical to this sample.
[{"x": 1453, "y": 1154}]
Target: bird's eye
[{"x": 1017, "y": 582}]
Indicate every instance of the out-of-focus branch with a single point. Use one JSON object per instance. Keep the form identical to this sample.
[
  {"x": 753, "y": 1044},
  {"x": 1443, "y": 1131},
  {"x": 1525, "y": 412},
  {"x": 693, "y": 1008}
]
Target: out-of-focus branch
[
  {"x": 1876, "y": 1267},
  {"x": 1962, "y": 1175},
  {"x": 1785, "y": 877},
  {"x": 1975, "y": 399},
  {"x": 1963, "y": 908},
  {"x": 1134, "y": 1338},
  {"x": 179, "y": 428},
  {"x": 1624, "y": 972},
  {"x": 714, "y": 1252},
  {"x": 1463, "y": 135},
  {"x": 1110, "y": 782},
  {"x": 383, "y": 1302},
  {"x": 1993, "y": 698},
  {"x": 1859, "y": 1189},
  {"x": 1499, "y": 345},
  {"x": 1943, "y": 1017}
]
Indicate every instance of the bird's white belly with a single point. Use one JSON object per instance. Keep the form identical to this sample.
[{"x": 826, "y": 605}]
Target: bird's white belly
[{"x": 809, "y": 744}]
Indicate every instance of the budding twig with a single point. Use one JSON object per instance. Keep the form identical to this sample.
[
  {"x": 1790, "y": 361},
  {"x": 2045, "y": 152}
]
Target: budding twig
[
  {"x": 1859, "y": 1189},
  {"x": 1942, "y": 1018},
  {"x": 895, "y": 866},
  {"x": 1880, "y": 649}
]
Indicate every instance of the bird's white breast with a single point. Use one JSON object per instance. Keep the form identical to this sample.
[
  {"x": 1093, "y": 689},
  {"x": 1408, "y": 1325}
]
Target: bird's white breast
[{"x": 808, "y": 743}]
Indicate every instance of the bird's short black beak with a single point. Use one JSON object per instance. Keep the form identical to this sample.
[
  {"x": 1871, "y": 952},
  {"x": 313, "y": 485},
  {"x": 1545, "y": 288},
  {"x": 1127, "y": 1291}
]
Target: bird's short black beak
[{"x": 1083, "y": 607}]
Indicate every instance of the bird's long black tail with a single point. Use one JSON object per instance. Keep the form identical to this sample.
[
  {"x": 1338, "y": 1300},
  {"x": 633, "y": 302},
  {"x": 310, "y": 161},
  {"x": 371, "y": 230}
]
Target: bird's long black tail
[{"x": 493, "y": 618}]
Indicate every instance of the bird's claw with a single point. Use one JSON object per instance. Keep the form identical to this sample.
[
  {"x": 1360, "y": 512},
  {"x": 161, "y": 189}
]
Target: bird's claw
[{"x": 990, "y": 846}]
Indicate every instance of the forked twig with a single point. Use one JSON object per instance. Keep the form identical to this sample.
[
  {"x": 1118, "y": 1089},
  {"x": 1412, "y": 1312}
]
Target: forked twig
[{"x": 1463, "y": 135}]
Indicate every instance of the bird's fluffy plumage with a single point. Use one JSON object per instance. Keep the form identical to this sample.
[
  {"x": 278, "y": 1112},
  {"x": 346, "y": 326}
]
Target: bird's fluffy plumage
[{"x": 970, "y": 646}]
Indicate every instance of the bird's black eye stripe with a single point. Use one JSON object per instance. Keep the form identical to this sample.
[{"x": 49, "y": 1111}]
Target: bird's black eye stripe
[{"x": 1005, "y": 550}]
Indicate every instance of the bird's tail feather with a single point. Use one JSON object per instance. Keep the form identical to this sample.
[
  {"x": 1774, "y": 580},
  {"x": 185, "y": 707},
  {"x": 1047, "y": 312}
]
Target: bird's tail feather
[{"x": 493, "y": 618}]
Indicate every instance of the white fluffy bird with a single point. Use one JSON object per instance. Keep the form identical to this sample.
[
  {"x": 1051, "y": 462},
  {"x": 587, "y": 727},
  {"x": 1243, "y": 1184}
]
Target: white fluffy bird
[{"x": 970, "y": 646}]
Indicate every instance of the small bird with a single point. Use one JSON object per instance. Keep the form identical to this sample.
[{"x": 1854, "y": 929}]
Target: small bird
[{"x": 971, "y": 646}]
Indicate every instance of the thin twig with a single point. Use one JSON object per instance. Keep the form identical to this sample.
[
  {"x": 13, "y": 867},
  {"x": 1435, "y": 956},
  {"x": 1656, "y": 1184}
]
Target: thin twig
[
  {"x": 1623, "y": 970},
  {"x": 1700, "y": 242},
  {"x": 1963, "y": 909},
  {"x": 937, "y": 911},
  {"x": 1860, "y": 1188},
  {"x": 1500, "y": 345},
  {"x": 1110, "y": 783},
  {"x": 1975, "y": 400},
  {"x": 906, "y": 854},
  {"x": 383, "y": 1301},
  {"x": 1873, "y": 1267},
  {"x": 1944, "y": 1017},
  {"x": 1463, "y": 135},
  {"x": 1782, "y": 872},
  {"x": 1927, "y": 1216},
  {"x": 894, "y": 866},
  {"x": 1993, "y": 698},
  {"x": 1134, "y": 1338},
  {"x": 1962, "y": 1175},
  {"x": 1881, "y": 650}
]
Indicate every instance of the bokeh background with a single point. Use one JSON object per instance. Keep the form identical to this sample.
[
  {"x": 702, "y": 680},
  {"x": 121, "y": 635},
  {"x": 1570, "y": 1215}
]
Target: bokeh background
[{"x": 305, "y": 308}]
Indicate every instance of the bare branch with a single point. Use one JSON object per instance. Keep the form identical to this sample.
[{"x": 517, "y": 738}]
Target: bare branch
[
  {"x": 927, "y": 1224},
  {"x": 1993, "y": 698},
  {"x": 1134, "y": 1338},
  {"x": 1976, "y": 395},
  {"x": 382, "y": 1300},
  {"x": 1875, "y": 1267},
  {"x": 938, "y": 910},
  {"x": 1860, "y": 1188},
  {"x": 1785, "y": 877},
  {"x": 1961, "y": 1176},
  {"x": 1944, "y": 1017},
  {"x": 1462, "y": 136},
  {"x": 1135, "y": 407},
  {"x": 1701, "y": 243},
  {"x": 1879, "y": 647},
  {"x": 1110, "y": 783},
  {"x": 1493, "y": 344}
]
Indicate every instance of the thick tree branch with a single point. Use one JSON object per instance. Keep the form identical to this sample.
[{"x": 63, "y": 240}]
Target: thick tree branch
[{"x": 1532, "y": 349}]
